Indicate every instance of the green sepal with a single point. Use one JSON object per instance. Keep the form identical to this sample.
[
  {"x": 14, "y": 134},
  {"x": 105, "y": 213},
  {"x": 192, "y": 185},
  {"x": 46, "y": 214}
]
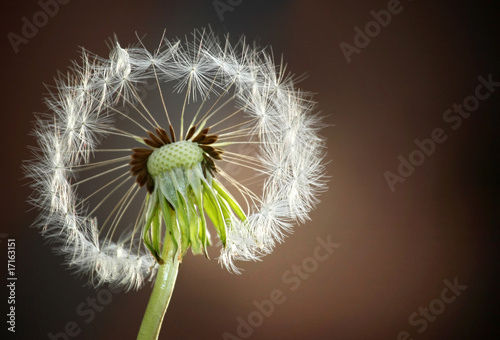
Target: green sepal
[
  {"x": 224, "y": 208},
  {"x": 183, "y": 222},
  {"x": 229, "y": 199},
  {"x": 194, "y": 226},
  {"x": 196, "y": 196},
  {"x": 150, "y": 244},
  {"x": 214, "y": 212},
  {"x": 169, "y": 218},
  {"x": 205, "y": 240}
]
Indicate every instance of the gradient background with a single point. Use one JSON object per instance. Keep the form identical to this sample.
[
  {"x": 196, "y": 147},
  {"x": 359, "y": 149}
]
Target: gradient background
[{"x": 396, "y": 247}]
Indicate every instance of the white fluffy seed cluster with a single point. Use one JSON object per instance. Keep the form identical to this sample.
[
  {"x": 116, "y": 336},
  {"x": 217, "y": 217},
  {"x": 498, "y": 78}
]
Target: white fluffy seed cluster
[
  {"x": 80, "y": 113},
  {"x": 183, "y": 153}
]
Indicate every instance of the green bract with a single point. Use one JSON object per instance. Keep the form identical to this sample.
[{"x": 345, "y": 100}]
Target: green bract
[{"x": 183, "y": 192}]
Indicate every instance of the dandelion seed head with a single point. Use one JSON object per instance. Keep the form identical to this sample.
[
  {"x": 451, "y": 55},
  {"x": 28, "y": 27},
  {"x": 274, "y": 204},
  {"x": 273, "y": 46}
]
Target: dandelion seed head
[{"x": 163, "y": 164}]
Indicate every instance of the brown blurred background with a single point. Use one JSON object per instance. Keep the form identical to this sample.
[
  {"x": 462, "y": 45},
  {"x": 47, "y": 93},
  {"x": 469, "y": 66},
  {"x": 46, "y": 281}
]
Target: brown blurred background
[{"x": 396, "y": 250}]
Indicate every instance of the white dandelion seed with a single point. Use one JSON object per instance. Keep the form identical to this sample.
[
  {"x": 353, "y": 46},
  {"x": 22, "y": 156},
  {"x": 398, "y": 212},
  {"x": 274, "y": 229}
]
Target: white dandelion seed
[{"x": 210, "y": 96}]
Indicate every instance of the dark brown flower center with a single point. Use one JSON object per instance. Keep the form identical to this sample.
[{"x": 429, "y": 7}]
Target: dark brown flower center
[{"x": 140, "y": 156}]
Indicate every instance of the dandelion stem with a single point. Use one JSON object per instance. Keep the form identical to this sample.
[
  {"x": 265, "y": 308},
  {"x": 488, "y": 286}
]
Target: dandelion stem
[{"x": 162, "y": 292}]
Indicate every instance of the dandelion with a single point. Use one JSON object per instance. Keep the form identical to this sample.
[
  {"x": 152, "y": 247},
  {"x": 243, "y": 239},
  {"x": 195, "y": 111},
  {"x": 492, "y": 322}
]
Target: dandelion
[{"x": 126, "y": 185}]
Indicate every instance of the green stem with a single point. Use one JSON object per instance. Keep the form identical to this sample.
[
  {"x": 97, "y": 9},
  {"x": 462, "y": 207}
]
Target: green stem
[{"x": 162, "y": 292}]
